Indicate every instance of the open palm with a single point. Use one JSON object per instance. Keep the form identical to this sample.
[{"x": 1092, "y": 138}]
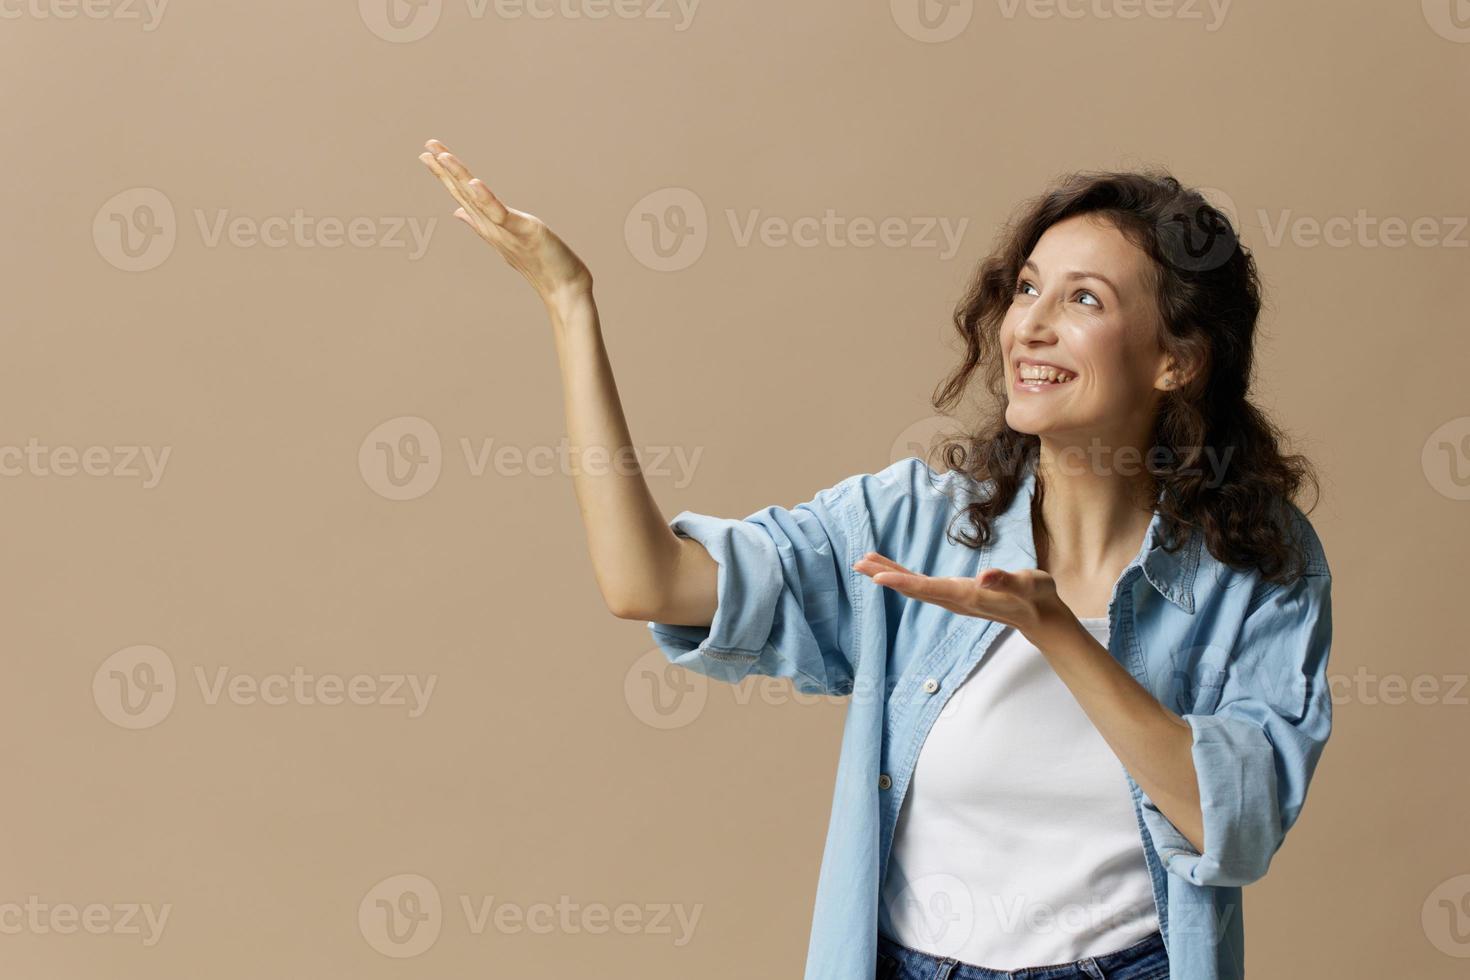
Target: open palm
[
  {"x": 1024, "y": 599},
  {"x": 522, "y": 239}
]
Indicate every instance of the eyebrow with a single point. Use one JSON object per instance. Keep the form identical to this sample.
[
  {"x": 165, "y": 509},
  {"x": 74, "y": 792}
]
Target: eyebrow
[{"x": 1079, "y": 274}]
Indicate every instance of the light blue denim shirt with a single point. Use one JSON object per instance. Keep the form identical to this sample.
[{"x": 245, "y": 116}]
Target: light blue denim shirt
[{"x": 1243, "y": 661}]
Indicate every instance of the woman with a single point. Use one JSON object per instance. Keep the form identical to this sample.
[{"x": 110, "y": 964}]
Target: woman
[{"x": 1080, "y": 724}]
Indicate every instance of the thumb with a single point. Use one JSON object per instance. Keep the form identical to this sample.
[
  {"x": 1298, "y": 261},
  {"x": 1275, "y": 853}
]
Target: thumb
[{"x": 995, "y": 578}]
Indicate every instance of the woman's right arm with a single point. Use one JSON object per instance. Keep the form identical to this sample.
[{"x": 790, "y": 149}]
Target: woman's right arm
[{"x": 643, "y": 570}]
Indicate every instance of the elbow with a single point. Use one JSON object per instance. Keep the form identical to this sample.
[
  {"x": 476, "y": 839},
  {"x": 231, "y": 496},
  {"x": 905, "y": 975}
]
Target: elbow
[
  {"x": 627, "y": 607},
  {"x": 1234, "y": 871},
  {"x": 641, "y": 605},
  {"x": 1237, "y": 859}
]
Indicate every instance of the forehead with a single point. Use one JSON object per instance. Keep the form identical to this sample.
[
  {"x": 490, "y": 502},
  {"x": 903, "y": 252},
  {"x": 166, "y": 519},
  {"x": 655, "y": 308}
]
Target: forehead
[{"x": 1091, "y": 243}]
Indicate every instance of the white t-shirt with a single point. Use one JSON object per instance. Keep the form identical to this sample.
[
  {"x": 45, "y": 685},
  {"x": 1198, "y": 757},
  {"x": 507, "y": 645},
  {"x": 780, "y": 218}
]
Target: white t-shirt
[{"x": 1017, "y": 844}]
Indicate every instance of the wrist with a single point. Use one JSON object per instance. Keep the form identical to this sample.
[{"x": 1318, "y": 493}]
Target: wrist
[
  {"x": 570, "y": 299},
  {"x": 1052, "y": 622}
]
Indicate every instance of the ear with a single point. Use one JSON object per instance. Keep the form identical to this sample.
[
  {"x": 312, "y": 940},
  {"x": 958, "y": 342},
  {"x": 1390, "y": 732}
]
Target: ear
[{"x": 1174, "y": 376}]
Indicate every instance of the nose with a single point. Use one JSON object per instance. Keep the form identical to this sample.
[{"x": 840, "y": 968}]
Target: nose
[{"x": 1035, "y": 326}]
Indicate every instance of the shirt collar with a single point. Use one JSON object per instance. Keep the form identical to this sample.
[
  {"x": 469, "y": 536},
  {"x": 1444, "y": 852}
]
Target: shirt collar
[{"x": 1171, "y": 574}]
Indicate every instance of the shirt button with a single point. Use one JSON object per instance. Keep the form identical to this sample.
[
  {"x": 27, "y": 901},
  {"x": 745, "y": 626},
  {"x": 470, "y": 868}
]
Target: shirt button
[
  {"x": 884, "y": 782},
  {"x": 931, "y": 685}
]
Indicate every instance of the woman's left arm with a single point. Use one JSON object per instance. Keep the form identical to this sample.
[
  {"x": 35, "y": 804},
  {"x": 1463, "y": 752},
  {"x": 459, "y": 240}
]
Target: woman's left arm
[
  {"x": 1234, "y": 779},
  {"x": 1154, "y": 744}
]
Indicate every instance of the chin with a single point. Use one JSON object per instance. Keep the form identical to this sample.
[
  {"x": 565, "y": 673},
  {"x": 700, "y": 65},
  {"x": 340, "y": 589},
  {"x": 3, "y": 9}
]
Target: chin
[{"x": 1026, "y": 423}]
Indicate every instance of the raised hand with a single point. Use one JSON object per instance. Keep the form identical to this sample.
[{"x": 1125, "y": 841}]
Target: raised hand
[{"x": 522, "y": 239}]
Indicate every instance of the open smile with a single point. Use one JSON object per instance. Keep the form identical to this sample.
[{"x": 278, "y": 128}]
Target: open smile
[{"x": 1033, "y": 379}]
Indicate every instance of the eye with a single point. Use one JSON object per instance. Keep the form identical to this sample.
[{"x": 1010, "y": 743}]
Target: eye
[
  {"x": 1023, "y": 285},
  {"x": 1093, "y": 295}
]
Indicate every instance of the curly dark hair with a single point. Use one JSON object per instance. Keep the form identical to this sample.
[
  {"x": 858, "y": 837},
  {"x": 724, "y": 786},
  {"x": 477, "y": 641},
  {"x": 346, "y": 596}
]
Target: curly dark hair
[{"x": 1208, "y": 296}]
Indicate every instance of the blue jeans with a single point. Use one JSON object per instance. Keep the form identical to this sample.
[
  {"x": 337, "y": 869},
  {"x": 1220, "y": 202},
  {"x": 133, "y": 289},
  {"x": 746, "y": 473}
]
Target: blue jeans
[{"x": 1144, "y": 960}]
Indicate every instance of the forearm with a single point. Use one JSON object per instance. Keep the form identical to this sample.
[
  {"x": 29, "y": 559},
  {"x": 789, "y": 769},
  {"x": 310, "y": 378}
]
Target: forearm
[
  {"x": 643, "y": 569},
  {"x": 1152, "y": 742}
]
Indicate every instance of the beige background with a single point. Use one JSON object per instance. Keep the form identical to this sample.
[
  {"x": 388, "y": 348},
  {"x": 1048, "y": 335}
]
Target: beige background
[{"x": 542, "y": 765}]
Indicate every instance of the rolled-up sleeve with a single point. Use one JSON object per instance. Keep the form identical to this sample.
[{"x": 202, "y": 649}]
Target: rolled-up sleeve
[
  {"x": 785, "y": 594},
  {"x": 1255, "y": 754}
]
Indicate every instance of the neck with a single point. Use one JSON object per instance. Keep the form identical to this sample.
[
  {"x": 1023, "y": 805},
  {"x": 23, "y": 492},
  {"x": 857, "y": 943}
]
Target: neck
[{"x": 1093, "y": 514}]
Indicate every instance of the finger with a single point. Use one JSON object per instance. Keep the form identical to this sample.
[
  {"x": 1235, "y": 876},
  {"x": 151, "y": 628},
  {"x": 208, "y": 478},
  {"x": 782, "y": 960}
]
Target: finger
[
  {"x": 450, "y": 171},
  {"x": 482, "y": 223},
  {"x": 462, "y": 215},
  {"x": 488, "y": 202},
  {"x": 932, "y": 600},
  {"x": 452, "y": 163},
  {"x": 874, "y": 558},
  {"x": 434, "y": 165},
  {"x": 459, "y": 173},
  {"x": 959, "y": 591},
  {"x": 996, "y": 578},
  {"x": 474, "y": 194},
  {"x": 477, "y": 196}
]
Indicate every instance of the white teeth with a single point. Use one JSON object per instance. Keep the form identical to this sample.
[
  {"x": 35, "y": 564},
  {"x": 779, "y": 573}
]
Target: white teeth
[{"x": 1030, "y": 372}]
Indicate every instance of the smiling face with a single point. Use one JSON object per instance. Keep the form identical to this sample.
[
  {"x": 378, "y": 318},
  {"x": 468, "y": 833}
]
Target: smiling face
[{"x": 1084, "y": 308}]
